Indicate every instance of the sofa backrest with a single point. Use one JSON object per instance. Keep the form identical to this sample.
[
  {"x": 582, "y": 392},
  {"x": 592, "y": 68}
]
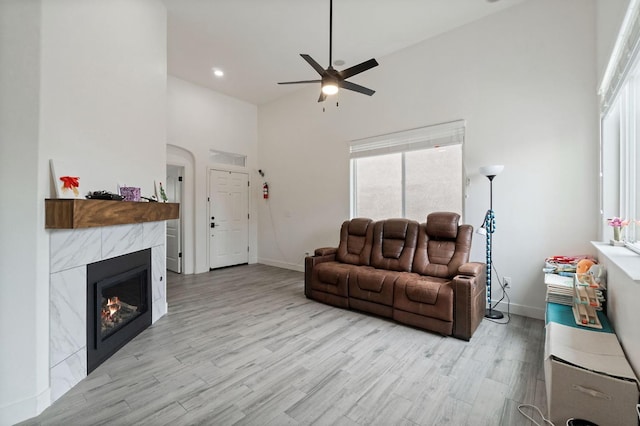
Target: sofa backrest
[
  {"x": 355, "y": 241},
  {"x": 443, "y": 245},
  {"x": 394, "y": 244}
]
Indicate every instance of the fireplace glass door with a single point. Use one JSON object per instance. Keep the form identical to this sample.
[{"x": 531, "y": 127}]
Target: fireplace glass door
[
  {"x": 121, "y": 300},
  {"x": 118, "y": 303}
]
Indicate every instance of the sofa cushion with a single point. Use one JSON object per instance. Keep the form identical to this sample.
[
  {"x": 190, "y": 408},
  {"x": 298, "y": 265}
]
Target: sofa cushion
[
  {"x": 355, "y": 241},
  {"x": 440, "y": 252},
  {"x": 424, "y": 295},
  {"x": 331, "y": 277},
  {"x": 394, "y": 244},
  {"x": 373, "y": 285},
  {"x": 424, "y": 291},
  {"x": 443, "y": 225}
]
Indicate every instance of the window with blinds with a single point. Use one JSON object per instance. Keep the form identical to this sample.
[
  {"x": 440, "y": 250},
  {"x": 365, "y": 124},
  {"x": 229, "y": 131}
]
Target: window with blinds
[
  {"x": 408, "y": 174},
  {"x": 620, "y": 132}
]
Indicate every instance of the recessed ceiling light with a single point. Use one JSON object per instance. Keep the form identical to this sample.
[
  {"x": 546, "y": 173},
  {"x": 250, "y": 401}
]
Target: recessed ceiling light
[
  {"x": 338, "y": 62},
  {"x": 218, "y": 72}
]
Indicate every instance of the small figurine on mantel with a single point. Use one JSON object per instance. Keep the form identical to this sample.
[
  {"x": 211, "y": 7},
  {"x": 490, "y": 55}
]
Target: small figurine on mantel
[{"x": 163, "y": 195}]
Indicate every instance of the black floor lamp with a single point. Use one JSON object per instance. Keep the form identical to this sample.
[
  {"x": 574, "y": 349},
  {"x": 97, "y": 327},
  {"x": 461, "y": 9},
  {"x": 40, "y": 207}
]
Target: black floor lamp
[{"x": 489, "y": 226}]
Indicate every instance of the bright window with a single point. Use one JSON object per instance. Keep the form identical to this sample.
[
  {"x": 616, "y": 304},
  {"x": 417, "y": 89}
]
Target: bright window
[
  {"x": 377, "y": 192},
  {"x": 620, "y": 132},
  {"x": 408, "y": 174},
  {"x": 620, "y": 159}
]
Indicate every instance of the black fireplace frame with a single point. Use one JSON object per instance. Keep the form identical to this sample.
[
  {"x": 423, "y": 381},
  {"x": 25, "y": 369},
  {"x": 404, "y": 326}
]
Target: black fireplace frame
[{"x": 104, "y": 274}]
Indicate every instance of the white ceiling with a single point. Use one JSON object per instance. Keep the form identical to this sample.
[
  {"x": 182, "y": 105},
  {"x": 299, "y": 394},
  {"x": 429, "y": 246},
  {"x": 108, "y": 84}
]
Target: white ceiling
[{"x": 257, "y": 42}]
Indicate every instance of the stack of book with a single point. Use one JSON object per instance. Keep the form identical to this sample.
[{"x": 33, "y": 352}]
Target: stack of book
[
  {"x": 559, "y": 289},
  {"x": 559, "y": 276}
]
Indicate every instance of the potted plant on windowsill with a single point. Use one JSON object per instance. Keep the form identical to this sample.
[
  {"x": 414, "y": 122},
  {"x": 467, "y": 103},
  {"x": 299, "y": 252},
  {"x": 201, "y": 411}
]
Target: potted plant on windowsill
[{"x": 617, "y": 224}]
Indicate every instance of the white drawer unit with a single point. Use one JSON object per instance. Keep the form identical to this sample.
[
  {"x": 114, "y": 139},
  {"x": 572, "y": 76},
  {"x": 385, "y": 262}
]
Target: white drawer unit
[{"x": 588, "y": 376}]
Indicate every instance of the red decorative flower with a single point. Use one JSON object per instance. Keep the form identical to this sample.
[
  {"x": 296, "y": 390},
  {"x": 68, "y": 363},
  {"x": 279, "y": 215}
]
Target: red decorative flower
[{"x": 70, "y": 182}]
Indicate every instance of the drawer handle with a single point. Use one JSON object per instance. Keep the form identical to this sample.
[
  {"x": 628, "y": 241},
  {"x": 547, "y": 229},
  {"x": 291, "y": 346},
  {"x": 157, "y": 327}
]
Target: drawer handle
[{"x": 591, "y": 392}]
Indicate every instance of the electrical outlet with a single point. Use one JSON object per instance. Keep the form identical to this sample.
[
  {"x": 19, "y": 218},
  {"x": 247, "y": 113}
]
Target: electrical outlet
[{"x": 507, "y": 282}]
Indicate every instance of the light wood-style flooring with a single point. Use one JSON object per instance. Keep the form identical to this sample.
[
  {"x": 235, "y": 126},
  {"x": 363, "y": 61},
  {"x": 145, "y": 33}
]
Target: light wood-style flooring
[{"x": 243, "y": 346}]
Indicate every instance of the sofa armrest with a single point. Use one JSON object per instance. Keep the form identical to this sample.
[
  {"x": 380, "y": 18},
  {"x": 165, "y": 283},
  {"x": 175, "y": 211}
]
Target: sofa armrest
[
  {"x": 321, "y": 255},
  {"x": 323, "y": 251},
  {"x": 472, "y": 269},
  {"x": 470, "y": 302}
]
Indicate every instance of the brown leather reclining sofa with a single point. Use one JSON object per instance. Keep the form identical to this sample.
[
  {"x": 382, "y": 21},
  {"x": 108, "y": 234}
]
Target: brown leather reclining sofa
[{"x": 417, "y": 274}]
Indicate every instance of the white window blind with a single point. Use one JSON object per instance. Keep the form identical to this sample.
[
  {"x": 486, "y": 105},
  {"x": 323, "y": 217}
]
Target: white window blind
[
  {"x": 408, "y": 174},
  {"x": 620, "y": 136},
  {"x": 622, "y": 58},
  {"x": 444, "y": 134}
]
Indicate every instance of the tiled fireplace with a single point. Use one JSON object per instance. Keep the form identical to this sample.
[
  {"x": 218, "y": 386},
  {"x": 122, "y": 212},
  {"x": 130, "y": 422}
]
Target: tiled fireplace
[{"x": 71, "y": 250}]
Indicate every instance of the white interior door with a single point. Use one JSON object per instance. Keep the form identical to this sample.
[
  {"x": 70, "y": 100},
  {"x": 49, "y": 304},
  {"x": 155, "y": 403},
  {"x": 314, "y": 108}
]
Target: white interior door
[
  {"x": 174, "y": 227},
  {"x": 228, "y": 218}
]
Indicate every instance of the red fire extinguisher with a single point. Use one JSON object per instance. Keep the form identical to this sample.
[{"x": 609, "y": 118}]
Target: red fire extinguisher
[{"x": 265, "y": 191}]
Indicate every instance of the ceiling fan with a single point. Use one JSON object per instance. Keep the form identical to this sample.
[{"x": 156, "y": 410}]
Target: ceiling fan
[{"x": 331, "y": 79}]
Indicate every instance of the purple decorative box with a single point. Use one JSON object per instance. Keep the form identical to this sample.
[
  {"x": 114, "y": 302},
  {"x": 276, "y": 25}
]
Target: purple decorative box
[{"x": 130, "y": 193}]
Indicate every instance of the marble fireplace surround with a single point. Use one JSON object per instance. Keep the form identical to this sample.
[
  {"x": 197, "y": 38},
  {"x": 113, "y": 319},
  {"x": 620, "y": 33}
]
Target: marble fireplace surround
[{"x": 71, "y": 250}]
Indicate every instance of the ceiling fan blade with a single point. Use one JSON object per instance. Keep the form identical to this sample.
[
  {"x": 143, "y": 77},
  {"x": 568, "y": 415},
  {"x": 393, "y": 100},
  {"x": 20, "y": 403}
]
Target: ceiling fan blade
[
  {"x": 316, "y": 66},
  {"x": 356, "y": 88},
  {"x": 357, "y": 69},
  {"x": 300, "y": 82},
  {"x": 330, "y": 76}
]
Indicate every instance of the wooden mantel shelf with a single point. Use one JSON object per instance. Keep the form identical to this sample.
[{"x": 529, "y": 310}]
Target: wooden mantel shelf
[{"x": 77, "y": 213}]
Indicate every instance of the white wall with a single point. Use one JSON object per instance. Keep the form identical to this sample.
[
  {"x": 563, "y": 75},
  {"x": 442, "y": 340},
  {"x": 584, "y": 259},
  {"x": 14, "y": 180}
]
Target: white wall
[
  {"x": 524, "y": 80},
  {"x": 103, "y": 96},
  {"x": 623, "y": 267},
  {"x": 24, "y": 286},
  {"x": 85, "y": 83},
  {"x": 200, "y": 119}
]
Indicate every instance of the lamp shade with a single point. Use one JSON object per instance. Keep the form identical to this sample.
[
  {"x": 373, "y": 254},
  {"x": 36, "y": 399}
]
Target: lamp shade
[{"x": 491, "y": 170}]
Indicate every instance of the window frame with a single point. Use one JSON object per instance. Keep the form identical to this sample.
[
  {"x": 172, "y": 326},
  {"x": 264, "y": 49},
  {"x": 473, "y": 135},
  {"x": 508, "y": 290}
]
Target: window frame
[
  {"x": 619, "y": 136},
  {"x": 427, "y": 137},
  {"x": 619, "y": 161}
]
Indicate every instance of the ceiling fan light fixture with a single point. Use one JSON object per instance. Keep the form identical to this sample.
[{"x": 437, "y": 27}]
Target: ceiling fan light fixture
[{"x": 330, "y": 88}]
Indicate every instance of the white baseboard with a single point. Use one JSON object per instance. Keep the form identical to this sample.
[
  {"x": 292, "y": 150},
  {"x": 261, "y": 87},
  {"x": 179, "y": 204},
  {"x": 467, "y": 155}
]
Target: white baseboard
[
  {"x": 19, "y": 411},
  {"x": 279, "y": 264},
  {"x": 525, "y": 311}
]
